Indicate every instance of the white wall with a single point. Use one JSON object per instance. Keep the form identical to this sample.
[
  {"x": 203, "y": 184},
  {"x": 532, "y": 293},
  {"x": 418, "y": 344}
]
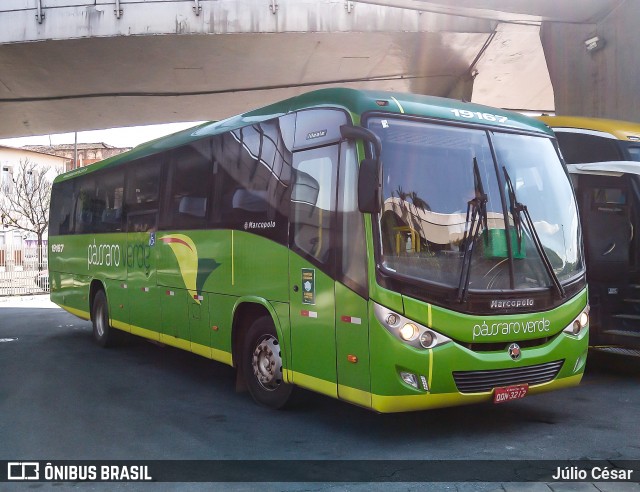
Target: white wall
[{"x": 10, "y": 159}]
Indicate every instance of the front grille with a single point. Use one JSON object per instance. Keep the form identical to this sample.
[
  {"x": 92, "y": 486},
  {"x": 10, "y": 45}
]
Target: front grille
[
  {"x": 497, "y": 346},
  {"x": 481, "y": 381}
]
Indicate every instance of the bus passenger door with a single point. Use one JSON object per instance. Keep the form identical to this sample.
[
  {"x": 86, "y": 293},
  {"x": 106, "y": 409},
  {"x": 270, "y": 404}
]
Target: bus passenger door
[
  {"x": 608, "y": 231},
  {"x": 312, "y": 269},
  {"x": 352, "y": 293}
]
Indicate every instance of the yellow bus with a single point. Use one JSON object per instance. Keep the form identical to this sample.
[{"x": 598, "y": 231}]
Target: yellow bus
[{"x": 584, "y": 140}]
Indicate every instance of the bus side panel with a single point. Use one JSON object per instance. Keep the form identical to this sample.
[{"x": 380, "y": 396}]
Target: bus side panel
[
  {"x": 260, "y": 267},
  {"x": 79, "y": 297},
  {"x": 68, "y": 260},
  {"x": 220, "y": 326},
  {"x": 75, "y": 260},
  {"x": 198, "y": 261},
  {"x": 199, "y": 331},
  {"x": 352, "y": 346},
  {"x": 224, "y": 262},
  {"x": 175, "y": 315},
  {"x": 61, "y": 283},
  {"x": 118, "y": 299}
]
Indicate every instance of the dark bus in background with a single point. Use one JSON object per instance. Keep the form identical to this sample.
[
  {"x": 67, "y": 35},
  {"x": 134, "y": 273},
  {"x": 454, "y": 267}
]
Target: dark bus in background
[{"x": 603, "y": 158}]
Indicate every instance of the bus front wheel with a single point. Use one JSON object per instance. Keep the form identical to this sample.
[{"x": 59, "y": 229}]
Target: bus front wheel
[
  {"x": 103, "y": 334},
  {"x": 262, "y": 365}
]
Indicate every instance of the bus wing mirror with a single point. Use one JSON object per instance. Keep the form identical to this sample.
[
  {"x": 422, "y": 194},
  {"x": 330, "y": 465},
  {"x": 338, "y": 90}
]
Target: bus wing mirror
[
  {"x": 369, "y": 186},
  {"x": 369, "y": 181},
  {"x": 357, "y": 132}
]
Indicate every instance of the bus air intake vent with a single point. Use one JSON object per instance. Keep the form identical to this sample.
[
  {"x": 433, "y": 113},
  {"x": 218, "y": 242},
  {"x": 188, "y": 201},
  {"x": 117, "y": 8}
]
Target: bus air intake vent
[{"x": 482, "y": 381}]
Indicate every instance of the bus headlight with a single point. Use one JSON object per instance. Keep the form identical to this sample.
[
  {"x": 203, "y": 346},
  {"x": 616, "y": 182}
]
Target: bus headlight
[
  {"x": 578, "y": 324},
  {"x": 407, "y": 330},
  {"x": 583, "y": 319}
]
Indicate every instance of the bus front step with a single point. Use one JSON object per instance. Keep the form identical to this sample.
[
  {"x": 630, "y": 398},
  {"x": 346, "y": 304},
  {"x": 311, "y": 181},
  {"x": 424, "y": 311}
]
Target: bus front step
[
  {"x": 632, "y": 317},
  {"x": 619, "y": 351},
  {"x": 624, "y": 333}
]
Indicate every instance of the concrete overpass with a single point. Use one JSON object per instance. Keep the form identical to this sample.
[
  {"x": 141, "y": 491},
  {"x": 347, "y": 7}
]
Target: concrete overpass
[{"x": 70, "y": 65}]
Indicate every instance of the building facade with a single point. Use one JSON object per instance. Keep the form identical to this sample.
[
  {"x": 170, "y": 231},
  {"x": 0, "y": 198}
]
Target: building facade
[
  {"x": 11, "y": 160},
  {"x": 87, "y": 153}
]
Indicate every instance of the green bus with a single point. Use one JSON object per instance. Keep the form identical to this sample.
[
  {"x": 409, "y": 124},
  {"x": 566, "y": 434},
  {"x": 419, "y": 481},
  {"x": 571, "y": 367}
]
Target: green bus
[{"x": 396, "y": 251}]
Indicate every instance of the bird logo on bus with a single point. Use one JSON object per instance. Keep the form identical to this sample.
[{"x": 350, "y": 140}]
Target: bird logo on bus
[{"x": 193, "y": 269}]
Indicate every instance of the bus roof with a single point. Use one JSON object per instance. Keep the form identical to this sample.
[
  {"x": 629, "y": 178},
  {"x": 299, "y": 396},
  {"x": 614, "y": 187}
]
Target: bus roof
[
  {"x": 357, "y": 102},
  {"x": 622, "y": 130}
]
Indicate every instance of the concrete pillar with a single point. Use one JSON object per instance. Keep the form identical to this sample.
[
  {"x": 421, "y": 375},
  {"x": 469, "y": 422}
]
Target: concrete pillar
[{"x": 601, "y": 82}]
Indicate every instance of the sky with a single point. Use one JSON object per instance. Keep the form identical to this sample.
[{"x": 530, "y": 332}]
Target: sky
[{"x": 118, "y": 137}]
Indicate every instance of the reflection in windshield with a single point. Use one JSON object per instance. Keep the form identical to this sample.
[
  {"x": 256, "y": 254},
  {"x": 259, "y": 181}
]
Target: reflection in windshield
[
  {"x": 477, "y": 219},
  {"x": 429, "y": 181},
  {"x": 521, "y": 219},
  {"x": 633, "y": 149}
]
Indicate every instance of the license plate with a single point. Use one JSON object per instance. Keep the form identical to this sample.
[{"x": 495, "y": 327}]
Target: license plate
[{"x": 515, "y": 392}]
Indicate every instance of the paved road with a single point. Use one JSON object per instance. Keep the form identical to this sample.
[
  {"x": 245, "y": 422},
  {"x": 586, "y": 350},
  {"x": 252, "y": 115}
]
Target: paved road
[{"x": 64, "y": 398}]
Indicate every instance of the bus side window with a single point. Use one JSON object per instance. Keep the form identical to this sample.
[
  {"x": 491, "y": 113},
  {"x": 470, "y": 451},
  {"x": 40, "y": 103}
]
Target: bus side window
[
  {"x": 190, "y": 177},
  {"x": 252, "y": 180},
  {"x": 353, "y": 254},
  {"x": 142, "y": 191},
  {"x": 109, "y": 202},
  {"x": 83, "y": 215},
  {"x": 313, "y": 202},
  {"x": 60, "y": 221}
]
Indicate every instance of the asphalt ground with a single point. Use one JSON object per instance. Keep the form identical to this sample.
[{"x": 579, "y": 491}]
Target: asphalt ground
[{"x": 64, "y": 398}]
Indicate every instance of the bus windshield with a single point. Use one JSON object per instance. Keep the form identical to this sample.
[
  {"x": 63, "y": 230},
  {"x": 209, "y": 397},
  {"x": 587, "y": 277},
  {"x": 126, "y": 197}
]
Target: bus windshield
[{"x": 449, "y": 215}]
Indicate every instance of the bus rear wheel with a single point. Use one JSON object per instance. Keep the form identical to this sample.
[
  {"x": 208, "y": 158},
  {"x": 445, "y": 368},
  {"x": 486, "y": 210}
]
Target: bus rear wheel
[
  {"x": 262, "y": 365},
  {"x": 103, "y": 334}
]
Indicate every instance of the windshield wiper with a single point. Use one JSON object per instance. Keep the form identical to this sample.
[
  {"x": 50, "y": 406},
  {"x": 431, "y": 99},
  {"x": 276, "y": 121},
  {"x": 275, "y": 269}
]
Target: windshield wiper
[
  {"x": 477, "y": 214},
  {"x": 520, "y": 215}
]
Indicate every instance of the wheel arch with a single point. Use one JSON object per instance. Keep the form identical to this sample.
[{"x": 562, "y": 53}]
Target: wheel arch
[
  {"x": 245, "y": 311},
  {"x": 95, "y": 286}
]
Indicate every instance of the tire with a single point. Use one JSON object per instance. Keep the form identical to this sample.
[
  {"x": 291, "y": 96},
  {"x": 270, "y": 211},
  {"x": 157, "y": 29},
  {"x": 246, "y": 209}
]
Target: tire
[
  {"x": 262, "y": 365},
  {"x": 103, "y": 334}
]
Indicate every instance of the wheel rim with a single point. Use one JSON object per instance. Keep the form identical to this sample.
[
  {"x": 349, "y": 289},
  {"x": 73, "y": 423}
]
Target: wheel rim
[
  {"x": 100, "y": 321},
  {"x": 267, "y": 363}
]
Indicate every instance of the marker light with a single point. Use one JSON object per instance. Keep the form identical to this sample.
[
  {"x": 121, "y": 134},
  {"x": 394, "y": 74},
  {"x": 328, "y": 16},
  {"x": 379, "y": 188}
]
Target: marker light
[
  {"x": 408, "y": 331},
  {"x": 427, "y": 338},
  {"x": 393, "y": 319},
  {"x": 425, "y": 385},
  {"x": 580, "y": 362}
]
